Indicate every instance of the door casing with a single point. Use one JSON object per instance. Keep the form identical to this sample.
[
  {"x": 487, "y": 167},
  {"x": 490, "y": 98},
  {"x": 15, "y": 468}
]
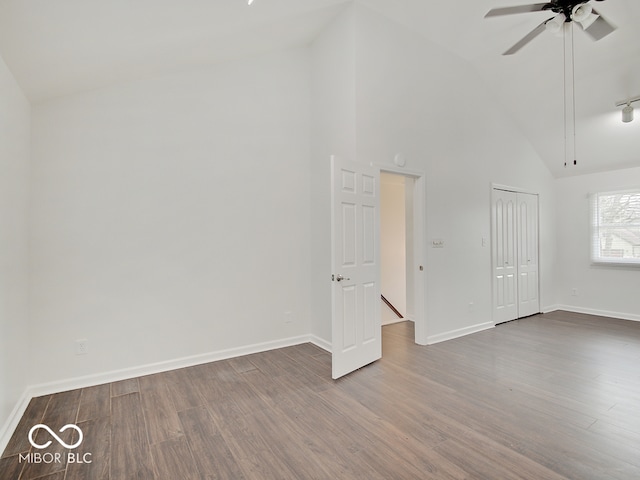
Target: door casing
[{"x": 419, "y": 250}]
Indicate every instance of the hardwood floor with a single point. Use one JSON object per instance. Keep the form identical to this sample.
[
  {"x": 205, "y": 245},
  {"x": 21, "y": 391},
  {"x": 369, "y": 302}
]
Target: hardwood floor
[{"x": 554, "y": 396}]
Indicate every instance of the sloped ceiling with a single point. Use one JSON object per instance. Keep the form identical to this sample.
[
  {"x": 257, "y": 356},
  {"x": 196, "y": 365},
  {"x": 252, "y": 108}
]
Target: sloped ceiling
[
  {"x": 60, "y": 47},
  {"x": 530, "y": 85}
]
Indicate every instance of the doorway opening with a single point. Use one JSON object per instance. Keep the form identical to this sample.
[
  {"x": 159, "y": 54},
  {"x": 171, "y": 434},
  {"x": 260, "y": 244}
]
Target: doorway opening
[
  {"x": 355, "y": 260},
  {"x": 401, "y": 264}
]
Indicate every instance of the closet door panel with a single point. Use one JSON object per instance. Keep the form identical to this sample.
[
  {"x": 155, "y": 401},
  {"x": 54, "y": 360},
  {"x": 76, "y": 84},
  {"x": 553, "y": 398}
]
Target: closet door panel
[
  {"x": 527, "y": 233},
  {"x": 505, "y": 288}
]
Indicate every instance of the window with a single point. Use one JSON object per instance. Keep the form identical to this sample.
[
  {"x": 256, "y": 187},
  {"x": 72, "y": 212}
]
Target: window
[{"x": 616, "y": 227}]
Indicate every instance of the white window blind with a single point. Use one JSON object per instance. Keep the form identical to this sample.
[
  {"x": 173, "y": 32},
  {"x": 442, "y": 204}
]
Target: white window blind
[{"x": 616, "y": 227}]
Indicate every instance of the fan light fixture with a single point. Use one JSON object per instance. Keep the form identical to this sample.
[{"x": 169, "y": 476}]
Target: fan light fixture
[
  {"x": 556, "y": 24},
  {"x": 564, "y": 12},
  {"x": 249, "y": 2},
  {"x": 583, "y": 14},
  {"x": 627, "y": 111}
]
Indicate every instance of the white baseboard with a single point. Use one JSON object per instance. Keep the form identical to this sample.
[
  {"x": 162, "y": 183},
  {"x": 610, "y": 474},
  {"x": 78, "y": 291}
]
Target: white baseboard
[
  {"x": 461, "y": 332},
  {"x": 320, "y": 342},
  {"x": 14, "y": 418},
  {"x": 600, "y": 313},
  {"x": 159, "y": 367},
  {"x": 117, "y": 375},
  {"x": 550, "y": 308}
]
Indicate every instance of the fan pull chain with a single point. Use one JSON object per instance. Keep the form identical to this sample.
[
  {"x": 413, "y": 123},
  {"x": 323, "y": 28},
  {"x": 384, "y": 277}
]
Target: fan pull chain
[
  {"x": 573, "y": 91},
  {"x": 564, "y": 90},
  {"x": 569, "y": 82}
]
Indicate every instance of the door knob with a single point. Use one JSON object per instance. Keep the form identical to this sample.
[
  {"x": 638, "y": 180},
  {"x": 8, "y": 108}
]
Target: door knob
[{"x": 340, "y": 278}]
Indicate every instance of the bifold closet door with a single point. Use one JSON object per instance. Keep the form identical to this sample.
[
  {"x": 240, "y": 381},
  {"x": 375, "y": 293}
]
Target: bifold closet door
[
  {"x": 527, "y": 233},
  {"x": 515, "y": 255},
  {"x": 505, "y": 285}
]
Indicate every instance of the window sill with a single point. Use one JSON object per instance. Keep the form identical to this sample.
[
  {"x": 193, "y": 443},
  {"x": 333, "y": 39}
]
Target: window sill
[{"x": 616, "y": 263}]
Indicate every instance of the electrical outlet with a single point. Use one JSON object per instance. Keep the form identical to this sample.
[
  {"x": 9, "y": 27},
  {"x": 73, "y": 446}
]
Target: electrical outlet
[
  {"x": 82, "y": 347},
  {"x": 574, "y": 292},
  {"x": 287, "y": 317}
]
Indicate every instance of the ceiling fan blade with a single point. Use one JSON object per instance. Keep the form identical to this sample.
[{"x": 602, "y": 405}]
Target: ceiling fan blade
[
  {"x": 600, "y": 28},
  {"x": 536, "y": 7},
  {"x": 527, "y": 38}
]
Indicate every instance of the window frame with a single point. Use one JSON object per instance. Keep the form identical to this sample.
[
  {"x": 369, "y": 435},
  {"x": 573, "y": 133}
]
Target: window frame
[{"x": 596, "y": 228}]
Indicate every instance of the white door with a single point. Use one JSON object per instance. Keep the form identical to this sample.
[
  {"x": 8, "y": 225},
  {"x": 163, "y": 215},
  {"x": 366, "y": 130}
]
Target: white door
[
  {"x": 528, "y": 299},
  {"x": 505, "y": 304},
  {"x": 356, "y": 328},
  {"x": 515, "y": 255}
]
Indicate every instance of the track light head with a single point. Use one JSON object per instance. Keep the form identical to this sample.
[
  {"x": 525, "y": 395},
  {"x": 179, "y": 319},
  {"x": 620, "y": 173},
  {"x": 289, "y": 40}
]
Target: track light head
[
  {"x": 627, "y": 113},
  {"x": 627, "y": 110}
]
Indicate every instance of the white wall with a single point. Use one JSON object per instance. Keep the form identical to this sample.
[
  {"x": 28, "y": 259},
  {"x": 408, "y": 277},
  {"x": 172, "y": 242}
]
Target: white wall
[
  {"x": 413, "y": 97},
  {"x": 393, "y": 251},
  {"x": 171, "y": 217},
  {"x": 14, "y": 203},
  {"x": 333, "y": 122},
  {"x": 605, "y": 290}
]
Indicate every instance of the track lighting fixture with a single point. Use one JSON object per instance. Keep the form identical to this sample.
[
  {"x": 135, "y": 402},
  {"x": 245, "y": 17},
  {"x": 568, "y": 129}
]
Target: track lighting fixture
[{"x": 627, "y": 111}]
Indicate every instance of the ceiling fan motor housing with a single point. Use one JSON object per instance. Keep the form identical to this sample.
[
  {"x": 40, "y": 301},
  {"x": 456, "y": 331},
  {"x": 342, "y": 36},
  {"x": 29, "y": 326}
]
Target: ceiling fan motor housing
[
  {"x": 566, "y": 11},
  {"x": 566, "y": 7}
]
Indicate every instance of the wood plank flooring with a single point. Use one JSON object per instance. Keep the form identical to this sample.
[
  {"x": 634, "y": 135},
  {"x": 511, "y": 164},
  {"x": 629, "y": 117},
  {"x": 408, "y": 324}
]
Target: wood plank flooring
[{"x": 554, "y": 396}]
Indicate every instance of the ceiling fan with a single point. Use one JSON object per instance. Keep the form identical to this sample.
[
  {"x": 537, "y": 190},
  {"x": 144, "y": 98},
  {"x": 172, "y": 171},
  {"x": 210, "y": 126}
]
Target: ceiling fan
[{"x": 578, "y": 11}]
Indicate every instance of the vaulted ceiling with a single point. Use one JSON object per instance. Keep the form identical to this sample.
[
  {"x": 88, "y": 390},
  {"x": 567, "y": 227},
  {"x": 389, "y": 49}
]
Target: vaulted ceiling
[{"x": 60, "y": 47}]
